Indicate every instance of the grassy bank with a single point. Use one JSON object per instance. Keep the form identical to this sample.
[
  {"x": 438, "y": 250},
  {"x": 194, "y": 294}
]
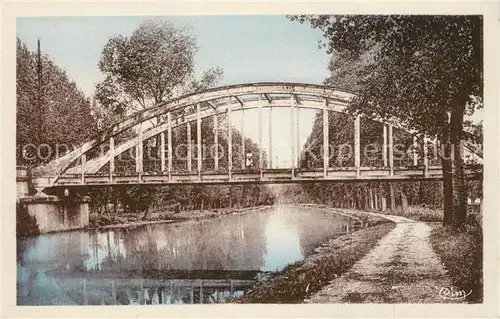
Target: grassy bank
[
  {"x": 98, "y": 221},
  {"x": 462, "y": 255},
  {"x": 298, "y": 281},
  {"x": 367, "y": 220},
  {"x": 420, "y": 213}
]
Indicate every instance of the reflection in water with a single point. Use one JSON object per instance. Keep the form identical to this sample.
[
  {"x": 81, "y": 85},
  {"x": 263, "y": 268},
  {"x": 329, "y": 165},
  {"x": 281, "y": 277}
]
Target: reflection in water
[{"x": 204, "y": 261}]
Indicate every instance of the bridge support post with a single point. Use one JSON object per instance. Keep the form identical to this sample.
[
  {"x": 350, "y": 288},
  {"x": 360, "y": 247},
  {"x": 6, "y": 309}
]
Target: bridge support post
[
  {"x": 84, "y": 160},
  {"x": 162, "y": 153},
  {"x": 198, "y": 140},
  {"x": 426, "y": 158},
  {"x": 261, "y": 153},
  {"x": 414, "y": 151},
  {"x": 243, "y": 153},
  {"x": 189, "y": 147},
  {"x": 297, "y": 136},
  {"x": 216, "y": 143},
  {"x": 23, "y": 181},
  {"x": 357, "y": 144},
  {"x": 229, "y": 144},
  {"x": 139, "y": 156},
  {"x": 169, "y": 145},
  {"x": 326, "y": 146},
  {"x": 292, "y": 128},
  {"x": 391, "y": 151},
  {"x": 270, "y": 138},
  {"x": 384, "y": 145},
  {"x": 112, "y": 158}
]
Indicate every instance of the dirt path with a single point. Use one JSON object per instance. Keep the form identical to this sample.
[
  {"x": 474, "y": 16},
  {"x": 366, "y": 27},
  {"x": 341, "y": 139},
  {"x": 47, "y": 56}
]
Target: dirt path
[{"x": 402, "y": 268}]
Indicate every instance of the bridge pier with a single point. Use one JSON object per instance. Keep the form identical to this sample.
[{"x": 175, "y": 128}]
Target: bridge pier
[
  {"x": 22, "y": 181},
  {"x": 53, "y": 213}
]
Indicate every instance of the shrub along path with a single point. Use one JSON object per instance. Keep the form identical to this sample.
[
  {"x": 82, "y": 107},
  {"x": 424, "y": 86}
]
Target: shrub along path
[{"x": 402, "y": 268}]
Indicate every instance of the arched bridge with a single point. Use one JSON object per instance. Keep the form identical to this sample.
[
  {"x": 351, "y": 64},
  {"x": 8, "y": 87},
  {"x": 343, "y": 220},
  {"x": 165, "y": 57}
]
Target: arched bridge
[{"x": 95, "y": 162}]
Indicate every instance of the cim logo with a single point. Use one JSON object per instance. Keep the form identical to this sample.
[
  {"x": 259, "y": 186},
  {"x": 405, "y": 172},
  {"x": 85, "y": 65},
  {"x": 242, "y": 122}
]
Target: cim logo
[{"x": 452, "y": 294}]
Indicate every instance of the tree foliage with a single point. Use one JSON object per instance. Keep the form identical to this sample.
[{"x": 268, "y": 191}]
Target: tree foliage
[
  {"x": 50, "y": 108},
  {"x": 153, "y": 65},
  {"x": 413, "y": 68},
  {"x": 425, "y": 72}
]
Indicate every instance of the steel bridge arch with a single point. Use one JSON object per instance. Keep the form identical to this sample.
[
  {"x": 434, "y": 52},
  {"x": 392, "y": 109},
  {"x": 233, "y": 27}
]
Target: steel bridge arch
[
  {"x": 94, "y": 165},
  {"x": 336, "y": 101}
]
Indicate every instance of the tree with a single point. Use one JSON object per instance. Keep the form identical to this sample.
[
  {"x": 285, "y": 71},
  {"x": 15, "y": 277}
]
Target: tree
[
  {"x": 51, "y": 109},
  {"x": 423, "y": 71},
  {"x": 154, "y": 64}
]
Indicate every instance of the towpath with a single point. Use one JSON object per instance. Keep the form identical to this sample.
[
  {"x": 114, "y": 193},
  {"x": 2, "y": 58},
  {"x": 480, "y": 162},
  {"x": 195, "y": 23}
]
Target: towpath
[{"x": 402, "y": 268}]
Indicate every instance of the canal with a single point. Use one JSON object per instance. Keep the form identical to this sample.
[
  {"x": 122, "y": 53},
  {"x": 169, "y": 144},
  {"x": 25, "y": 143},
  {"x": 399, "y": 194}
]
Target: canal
[{"x": 205, "y": 261}]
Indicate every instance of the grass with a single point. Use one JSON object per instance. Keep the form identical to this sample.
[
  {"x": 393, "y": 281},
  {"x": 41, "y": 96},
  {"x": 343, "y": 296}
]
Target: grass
[
  {"x": 300, "y": 280},
  {"x": 461, "y": 253},
  {"x": 420, "y": 213}
]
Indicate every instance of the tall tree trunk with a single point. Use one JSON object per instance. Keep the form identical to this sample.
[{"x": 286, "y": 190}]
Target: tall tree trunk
[
  {"x": 383, "y": 203},
  {"x": 447, "y": 174},
  {"x": 366, "y": 197},
  {"x": 421, "y": 193},
  {"x": 404, "y": 201},
  {"x": 355, "y": 201},
  {"x": 370, "y": 197},
  {"x": 459, "y": 186},
  {"x": 392, "y": 197}
]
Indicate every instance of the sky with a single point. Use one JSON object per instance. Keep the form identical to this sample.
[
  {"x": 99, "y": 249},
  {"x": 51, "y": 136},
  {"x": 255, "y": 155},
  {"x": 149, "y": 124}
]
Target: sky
[{"x": 247, "y": 48}]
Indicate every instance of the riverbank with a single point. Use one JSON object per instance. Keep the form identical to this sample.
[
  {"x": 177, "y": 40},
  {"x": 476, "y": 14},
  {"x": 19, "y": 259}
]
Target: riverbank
[
  {"x": 99, "y": 222},
  {"x": 409, "y": 261},
  {"x": 300, "y": 280}
]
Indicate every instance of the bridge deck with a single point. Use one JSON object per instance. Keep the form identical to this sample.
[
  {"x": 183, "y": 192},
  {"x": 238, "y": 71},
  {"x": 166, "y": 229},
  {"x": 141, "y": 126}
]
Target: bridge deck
[{"x": 264, "y": 176}]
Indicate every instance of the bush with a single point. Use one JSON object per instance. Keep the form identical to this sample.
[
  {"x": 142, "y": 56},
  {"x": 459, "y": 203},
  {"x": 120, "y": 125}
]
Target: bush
[{"x": 462, "y": 254}]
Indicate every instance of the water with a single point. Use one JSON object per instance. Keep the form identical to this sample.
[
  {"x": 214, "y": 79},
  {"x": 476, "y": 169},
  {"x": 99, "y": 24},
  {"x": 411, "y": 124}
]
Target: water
[{"x": 206, "y": 261}]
